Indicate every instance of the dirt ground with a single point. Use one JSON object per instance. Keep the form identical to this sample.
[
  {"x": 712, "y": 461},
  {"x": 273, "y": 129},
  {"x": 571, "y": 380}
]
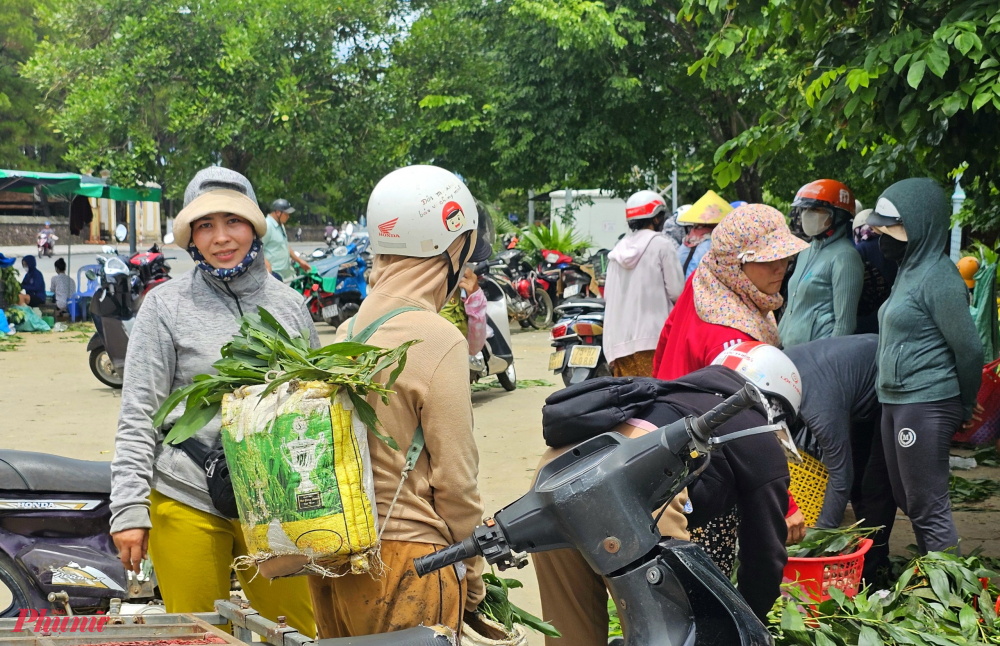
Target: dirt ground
[{"x": 50, "y": 402}]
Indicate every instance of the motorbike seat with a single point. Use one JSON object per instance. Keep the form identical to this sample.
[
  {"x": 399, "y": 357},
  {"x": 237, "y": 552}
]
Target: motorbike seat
[
  {"x": 41, "y": 472},
  {"x": 587, "y": 303}
]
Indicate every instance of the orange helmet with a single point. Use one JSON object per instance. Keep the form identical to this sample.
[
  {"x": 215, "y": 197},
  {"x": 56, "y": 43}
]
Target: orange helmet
[
  {"x": 826, "y": 192},
  {"x": 968, "y": 267}
]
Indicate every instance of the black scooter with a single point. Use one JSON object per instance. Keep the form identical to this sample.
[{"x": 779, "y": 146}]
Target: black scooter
[
  {"x": 599, "y": 498},
  {"x": 578, "y": 339},
  {"x": 56, "y": 551}
]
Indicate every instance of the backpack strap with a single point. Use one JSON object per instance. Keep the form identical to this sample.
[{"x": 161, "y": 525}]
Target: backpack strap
[{"x": 365, "y": 334}]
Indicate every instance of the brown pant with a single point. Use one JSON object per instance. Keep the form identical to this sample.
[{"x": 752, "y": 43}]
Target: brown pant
[
  {"x": 638, "y": 364},
  {"x": 574, "y": 597},
  {"x": 360, "y": 604}
]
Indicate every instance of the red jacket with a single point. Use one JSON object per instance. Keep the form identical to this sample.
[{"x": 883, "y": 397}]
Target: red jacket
[{"x": 687, "y": 343}]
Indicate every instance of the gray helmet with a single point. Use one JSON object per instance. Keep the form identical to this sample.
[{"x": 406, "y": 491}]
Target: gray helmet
[
  {"x": 282, "y": 205},
  {"x": 216, "y": 177}
]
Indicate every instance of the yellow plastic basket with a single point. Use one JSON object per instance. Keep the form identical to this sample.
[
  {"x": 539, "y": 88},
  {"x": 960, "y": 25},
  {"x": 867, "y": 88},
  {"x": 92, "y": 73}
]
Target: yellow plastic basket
[{"x": 809, "y": 486}]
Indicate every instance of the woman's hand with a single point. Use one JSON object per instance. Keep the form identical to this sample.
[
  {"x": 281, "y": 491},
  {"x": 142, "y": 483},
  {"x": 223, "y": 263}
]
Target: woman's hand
[
  {"x": 469, "y": 281},
  {"x": 796, "y": 528},
  {"x": 132, "y": 545},
  {"x": 977, "y": 417}
]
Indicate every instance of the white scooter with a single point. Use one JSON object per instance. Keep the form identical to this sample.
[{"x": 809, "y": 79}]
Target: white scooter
[{"x": 497, "y": 356}]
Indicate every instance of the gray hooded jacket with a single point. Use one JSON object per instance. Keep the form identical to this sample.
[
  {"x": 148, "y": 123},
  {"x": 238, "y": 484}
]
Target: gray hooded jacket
[{"x": 178, "y": 334}]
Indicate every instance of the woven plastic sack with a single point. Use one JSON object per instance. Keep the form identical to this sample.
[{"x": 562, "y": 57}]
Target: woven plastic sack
[
  {"x": 302, "y": 476},
  {"x": 479, "y": 630},
  {"x": 987, "y": 429}
]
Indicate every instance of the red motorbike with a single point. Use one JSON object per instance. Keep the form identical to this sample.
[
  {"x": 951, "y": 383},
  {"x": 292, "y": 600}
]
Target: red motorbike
[{"x": 562, "y": 277}]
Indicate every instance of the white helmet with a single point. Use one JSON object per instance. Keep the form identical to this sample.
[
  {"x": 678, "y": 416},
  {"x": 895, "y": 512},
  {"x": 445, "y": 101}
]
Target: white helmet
[
  {"x": 644, "y": 205},
  {"x": 766, "y": 367},
  {"x": 418, "y": 211}
]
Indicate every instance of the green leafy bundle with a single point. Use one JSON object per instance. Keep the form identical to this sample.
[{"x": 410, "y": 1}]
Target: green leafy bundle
[
  {"x": 264, "y": 352},
  {"x": 614, "y": 621},
  {"x": 831, "y": 542},
  {"x": 964, "y": 490},
  {"x": 497, "y": 606},
  {"x": 939, "y": 599},
  {"x": 9, "y": 284}
]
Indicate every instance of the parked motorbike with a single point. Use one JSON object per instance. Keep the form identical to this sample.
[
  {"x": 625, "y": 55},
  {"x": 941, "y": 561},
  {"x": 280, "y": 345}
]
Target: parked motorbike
[
  {"x": 45, "y": 243},
  {"x": 124, "y": 285},
  {"x": 335, "y": 286},
  {"x": 577, "y": 337},
  {"x": 599, "y": 499},
  {"x": 56, "y": 551},
  {"x": 527, "y": 302},
  {"x": 497, "y": 356},
  {"x": 563, "y": 277}
]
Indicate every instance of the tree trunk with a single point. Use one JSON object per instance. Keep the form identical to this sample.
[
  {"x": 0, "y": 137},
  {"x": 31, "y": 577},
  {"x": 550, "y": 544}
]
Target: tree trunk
[
  {"x": 748, "y": 186},
  {"x": 235, "y": 159}
]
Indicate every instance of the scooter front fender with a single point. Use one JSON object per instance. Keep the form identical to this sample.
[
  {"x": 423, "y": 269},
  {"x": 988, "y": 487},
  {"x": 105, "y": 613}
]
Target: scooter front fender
[{"x": 95, "y": 342}]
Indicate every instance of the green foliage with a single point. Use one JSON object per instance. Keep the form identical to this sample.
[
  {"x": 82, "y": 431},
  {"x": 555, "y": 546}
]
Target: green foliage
[
  {"x": 565, "y": 239},
  {"x": 498, "y": 607},
  {"x": 831, "y": 542},
  {"x": 10, "y": 284},
  {"x": 939, "y": 599},
  {"x": 910, "y": 87},
  {"x": 26, "y": 143},
  {"x": 285, "y": 91},
  {"x": 614, "y": 621},
  {"x": 264, "y": 352},
  {"x": 965, "y": 490}
]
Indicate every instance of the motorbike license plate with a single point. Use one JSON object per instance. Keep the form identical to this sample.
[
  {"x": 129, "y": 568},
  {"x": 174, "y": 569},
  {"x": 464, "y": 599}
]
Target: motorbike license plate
[
  {"x": 331, "y": 311},
  {"x": 556, "y": 360},
  {"x": 571, "y": 290},
  {"x": 585, "y": 356}
]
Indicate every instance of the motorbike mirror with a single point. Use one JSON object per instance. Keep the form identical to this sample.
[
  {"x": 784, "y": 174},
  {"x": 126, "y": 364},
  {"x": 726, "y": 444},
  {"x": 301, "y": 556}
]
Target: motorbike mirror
[
  {"x": 169, "y": 238},
  {"x": 121, "y": 232},
  {"x": 90, "y": 274}
]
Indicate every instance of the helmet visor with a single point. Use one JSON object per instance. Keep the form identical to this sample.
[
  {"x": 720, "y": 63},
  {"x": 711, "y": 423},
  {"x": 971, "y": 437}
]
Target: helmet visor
[{"x": 486, "y": 234}]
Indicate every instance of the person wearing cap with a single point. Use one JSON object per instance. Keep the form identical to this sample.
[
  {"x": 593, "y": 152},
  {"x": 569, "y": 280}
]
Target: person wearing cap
[
  {"x": 644, "y": 281},
  {"x": 824, "y": 290},
  {"x": 930, "y": 357},
  {"x": 730, "y": 299},
  {"x": 159, "y": 493},
  {"x": 425, "y": 226},
  {"x": 880, "y": 274},
  {"x": 701, "y": 218},
  {"x": 278, "y": 256}
]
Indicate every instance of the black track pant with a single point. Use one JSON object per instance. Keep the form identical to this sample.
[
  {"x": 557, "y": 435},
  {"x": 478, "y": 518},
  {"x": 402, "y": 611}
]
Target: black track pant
[
  {"x": 916, "y": 439},
  {"x": 871, "y": 493}
]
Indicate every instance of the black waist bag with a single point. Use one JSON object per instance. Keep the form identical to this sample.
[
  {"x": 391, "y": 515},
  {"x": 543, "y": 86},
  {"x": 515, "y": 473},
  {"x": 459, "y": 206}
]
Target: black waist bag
[
  {"x": 220, "y": 486},
  {"x": 595, "y": 406}
]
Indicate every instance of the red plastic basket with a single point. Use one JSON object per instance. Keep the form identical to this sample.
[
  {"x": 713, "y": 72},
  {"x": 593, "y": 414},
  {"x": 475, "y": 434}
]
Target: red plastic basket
[
  {"x": 987, "y": 430},
  {"x": 815, "y": 576}
]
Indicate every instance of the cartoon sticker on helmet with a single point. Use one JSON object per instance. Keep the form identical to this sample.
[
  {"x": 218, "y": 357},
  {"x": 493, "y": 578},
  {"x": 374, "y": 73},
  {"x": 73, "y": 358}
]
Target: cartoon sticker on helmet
[{"x": 454, "y": 218}]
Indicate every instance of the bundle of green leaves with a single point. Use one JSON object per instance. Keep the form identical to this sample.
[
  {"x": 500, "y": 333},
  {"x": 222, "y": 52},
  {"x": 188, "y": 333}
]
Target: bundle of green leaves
[
  {"x": 939, "y": 599},
  {"x": 497, "y": 606},
  {"x": 9, "y": 284},
  {"x": 966, "y": 490},
  {"x": 831, "y": 542},
  {"x": 264, "y": 352}
]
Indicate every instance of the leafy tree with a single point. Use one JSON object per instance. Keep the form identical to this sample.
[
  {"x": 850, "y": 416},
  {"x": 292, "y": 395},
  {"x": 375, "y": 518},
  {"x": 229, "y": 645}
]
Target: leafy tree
[
  {"x": 285, "y": 91},
  {"x": 26, "y": 143},
  {"x": 910, "y": 85}
]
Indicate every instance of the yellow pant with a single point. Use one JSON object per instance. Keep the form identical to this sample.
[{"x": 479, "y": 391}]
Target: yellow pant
[{"x": 192, "y": 553}]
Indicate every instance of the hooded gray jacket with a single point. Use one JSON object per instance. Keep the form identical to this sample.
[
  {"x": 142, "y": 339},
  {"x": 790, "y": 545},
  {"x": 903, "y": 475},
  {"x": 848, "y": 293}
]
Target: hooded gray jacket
[{"x": 178, "y": 334}]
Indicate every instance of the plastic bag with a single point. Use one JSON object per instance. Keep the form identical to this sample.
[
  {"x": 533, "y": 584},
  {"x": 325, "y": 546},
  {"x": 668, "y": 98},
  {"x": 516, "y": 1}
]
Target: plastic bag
[
  {"x": 32, "y": 321},
  {"x": 301, "y": 472},
  {"x": 984, "y": 311}
]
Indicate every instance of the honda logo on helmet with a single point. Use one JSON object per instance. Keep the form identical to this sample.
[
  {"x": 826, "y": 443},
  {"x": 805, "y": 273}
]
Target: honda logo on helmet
[
  {"x": 845, "y": 196},
  {"x": 385, "y": 229}
]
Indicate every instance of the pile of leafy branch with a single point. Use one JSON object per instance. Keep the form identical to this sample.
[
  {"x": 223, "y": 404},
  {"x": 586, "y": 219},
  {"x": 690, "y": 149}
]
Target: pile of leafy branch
[
  {"x": 9, "y": 284},
  {"x": 964, "y": 490},
  {"x": 939, "y": 599},
  {"x": 497, "y": 606},
  {"x": 831, "y": 542},
  {"x": 264, "y": 352}
]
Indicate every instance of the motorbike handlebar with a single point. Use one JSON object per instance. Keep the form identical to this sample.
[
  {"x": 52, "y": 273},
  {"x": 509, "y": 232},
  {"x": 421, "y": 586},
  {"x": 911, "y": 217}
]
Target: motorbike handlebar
[
  {"x": 703, "y": 427},
  {"x": 450, "y": 555}
]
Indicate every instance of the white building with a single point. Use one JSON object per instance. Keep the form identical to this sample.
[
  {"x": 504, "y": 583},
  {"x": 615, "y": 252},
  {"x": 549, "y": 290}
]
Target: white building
[{"x": 597, "y": 214}]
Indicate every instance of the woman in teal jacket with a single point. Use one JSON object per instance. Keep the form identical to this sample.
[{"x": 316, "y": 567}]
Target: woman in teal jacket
[{"x": 930, "y": 359}]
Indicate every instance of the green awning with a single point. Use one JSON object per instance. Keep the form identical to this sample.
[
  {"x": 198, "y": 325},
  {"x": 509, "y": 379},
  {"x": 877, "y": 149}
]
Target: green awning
[{"x": 22, "y": 181}]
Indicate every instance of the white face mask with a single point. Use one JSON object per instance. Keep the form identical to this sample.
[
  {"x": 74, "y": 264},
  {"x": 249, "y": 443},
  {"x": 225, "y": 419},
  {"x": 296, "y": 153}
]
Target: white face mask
[{"x": 816, "y": 221}]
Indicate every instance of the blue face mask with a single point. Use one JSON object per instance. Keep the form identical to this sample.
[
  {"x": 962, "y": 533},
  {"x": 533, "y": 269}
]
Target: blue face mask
[{"x": 226, "y": 275}]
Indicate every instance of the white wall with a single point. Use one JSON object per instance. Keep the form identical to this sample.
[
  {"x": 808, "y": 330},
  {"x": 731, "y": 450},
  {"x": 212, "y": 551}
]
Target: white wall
[{"x": 598, "y": 215}]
